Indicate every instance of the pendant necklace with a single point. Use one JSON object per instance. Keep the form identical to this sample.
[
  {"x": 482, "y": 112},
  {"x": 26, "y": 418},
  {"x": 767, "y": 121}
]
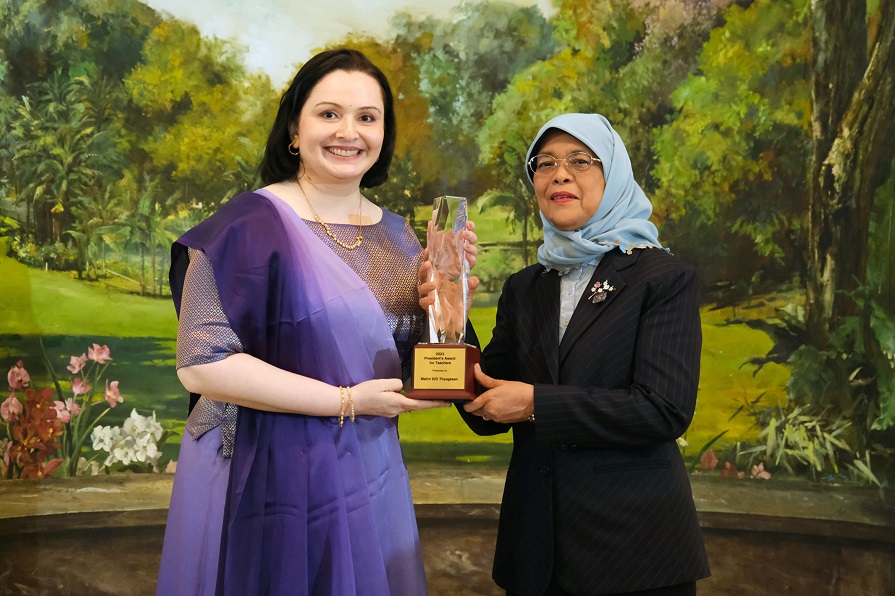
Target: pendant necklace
[{"x": 360, "y": 236}]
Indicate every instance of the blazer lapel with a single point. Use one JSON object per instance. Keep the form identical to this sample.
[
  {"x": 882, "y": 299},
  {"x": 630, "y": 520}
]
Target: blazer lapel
[
  {"x": 546, "y": 308},
  {"x": 587, "y": 311}
]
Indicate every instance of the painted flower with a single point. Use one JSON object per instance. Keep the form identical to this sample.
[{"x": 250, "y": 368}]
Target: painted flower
[
  {"x": 759, "y": 472},
  {"x": 112, "y": 396},
  {"x": 708, "y": 461},
  {"x": 99, "y": 353},
  {"x": 79, "y": 386},
  {"x": 730, "y": 471},
  {"x": 11, "y": 408},
  {"x": 61, "y": 413},
  {"x": 599, "y": 291},
  {"x": 123, "y": 452},
  {"x": 77, "y": 363},
  {"x": 134, "y": 442},
  {"x": 137, "y": 425},
  {"x": 39, "y": 420},
  {"x": 18, "y": 377},
  {"x": 104, "y": 437},
  {"x": 65, "y": 410}
]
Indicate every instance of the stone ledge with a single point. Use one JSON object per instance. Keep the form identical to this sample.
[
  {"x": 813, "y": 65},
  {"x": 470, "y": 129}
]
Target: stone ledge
[
  {"x": 795, "y": 507},
  {"x": 762, "y": 537},
  {"x": 139, "y": 500}
]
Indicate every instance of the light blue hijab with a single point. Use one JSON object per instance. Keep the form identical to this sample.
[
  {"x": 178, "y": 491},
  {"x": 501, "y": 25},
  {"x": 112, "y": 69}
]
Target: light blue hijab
[{"x": 621, "y": 220}]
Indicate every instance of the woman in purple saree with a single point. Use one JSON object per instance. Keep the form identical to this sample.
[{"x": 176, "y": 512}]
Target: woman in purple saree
[{"x": 298, "y": 307}]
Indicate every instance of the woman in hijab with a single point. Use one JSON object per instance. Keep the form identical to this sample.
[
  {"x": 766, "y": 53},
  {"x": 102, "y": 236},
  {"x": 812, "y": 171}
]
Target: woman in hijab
[{"x": 594, "y": 364}]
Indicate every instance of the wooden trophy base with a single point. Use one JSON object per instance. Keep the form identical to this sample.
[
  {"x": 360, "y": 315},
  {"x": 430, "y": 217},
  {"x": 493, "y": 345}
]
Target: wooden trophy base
[{"x": 443, "y": 371}]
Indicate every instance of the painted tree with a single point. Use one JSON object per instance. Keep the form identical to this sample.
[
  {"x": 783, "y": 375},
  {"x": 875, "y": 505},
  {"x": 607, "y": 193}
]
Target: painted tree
[
  {"x": 59, "y": 155},
  {"x": 732, "y": 164},
  {"x": 93, "y": 213},
  {"x": 41, "y": 37},
  {"x": 144, "y": 222},
  {"x": 854, "y": 113},
  {"x": 853, "y": 122},
  {"x": 202, "y": 116},
  {"x": 464, "y": 62},
  {"x": 839, "y": 417},
  {"x": 64, "y": 137}
]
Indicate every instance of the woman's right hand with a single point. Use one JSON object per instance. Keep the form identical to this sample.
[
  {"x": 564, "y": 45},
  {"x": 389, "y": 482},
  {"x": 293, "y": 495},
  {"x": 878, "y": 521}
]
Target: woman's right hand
[{"x": 381, "y": 397}]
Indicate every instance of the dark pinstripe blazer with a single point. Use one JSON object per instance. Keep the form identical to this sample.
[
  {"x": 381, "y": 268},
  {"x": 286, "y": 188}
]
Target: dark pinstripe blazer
[{"x": 596, "y": 492}]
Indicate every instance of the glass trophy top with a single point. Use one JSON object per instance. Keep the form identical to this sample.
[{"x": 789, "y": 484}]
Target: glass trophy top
[{"x": 450, "y": 271}]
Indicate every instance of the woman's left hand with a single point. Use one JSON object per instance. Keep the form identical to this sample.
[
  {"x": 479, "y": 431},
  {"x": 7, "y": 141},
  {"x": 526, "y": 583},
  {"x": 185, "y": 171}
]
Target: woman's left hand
[
  {"x": 469, "y": 246},
  {"x": 504, "y": 401}
]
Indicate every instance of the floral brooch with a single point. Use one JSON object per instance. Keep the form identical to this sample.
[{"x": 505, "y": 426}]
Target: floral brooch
[{"x": 600, "y": 291}]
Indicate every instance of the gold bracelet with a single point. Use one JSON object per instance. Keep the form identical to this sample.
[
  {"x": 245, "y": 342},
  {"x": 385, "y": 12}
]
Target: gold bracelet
[
  {"x": 341, "y": 406},
  {"x": 350, "y": 402}
]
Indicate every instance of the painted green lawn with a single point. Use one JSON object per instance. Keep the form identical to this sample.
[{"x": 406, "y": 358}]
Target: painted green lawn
[{"x": 70, "y": 315}]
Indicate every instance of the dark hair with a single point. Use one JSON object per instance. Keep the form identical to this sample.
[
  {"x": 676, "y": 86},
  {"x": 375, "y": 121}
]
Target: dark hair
[{"x": 277, "y": 163}]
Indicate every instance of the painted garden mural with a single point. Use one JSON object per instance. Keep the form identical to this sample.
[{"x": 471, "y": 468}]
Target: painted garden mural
[{"x": 762, "y": 131}]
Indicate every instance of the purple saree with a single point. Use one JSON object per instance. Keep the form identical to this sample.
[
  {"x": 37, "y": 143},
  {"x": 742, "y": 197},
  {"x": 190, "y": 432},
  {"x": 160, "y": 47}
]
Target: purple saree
[{"x": 303, "y": 507}]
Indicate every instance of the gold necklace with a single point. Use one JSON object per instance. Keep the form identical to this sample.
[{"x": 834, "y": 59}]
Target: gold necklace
[{"x": 360, "y": 236}]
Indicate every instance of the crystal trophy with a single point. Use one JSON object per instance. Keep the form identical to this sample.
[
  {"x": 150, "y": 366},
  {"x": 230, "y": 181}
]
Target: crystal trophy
[{"x": 443, "y": 368}]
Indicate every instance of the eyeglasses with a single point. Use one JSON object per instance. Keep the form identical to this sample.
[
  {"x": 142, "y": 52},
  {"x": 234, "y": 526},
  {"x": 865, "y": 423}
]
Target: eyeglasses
[{"x": 545, "y": 165}]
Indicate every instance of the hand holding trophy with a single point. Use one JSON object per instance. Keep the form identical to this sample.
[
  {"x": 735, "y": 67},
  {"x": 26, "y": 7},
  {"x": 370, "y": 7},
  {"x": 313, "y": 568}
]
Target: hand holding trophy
[{"x": 443, "y": 368}]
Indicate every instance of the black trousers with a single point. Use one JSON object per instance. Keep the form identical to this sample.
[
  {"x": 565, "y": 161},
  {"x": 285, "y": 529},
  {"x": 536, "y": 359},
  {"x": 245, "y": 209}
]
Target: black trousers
[{"x": 687, "y": 589}]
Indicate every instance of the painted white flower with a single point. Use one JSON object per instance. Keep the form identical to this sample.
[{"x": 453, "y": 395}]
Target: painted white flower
[
  {"x": 123, "y": 453},
  {"x": 135, "y": 441},
  {"x": 104, "y": 437}
]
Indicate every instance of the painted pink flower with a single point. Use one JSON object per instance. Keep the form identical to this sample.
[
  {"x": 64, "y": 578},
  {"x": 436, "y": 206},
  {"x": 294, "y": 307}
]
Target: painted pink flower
[
  {"x": 65, "y": 410},
  {"x": 11, "y": 408},
  {"x": 730, "y": 471},
  {"x": 77, "y": 363},
  {"x": 61, "y": 413},
  {"x": 708, "y": 461},
  {"x": 79, "y": 386},
  {"x": 759, "y": 472},
  {"x": 18, "y": 377},
  {"x": 99, "y": 353},
  {"x": 112, "y": 396}
]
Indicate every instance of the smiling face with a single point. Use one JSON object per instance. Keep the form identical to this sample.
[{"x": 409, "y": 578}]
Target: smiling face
[
  {"x": 341, "y": 127},
  {"x": 568, "y": 199}
]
